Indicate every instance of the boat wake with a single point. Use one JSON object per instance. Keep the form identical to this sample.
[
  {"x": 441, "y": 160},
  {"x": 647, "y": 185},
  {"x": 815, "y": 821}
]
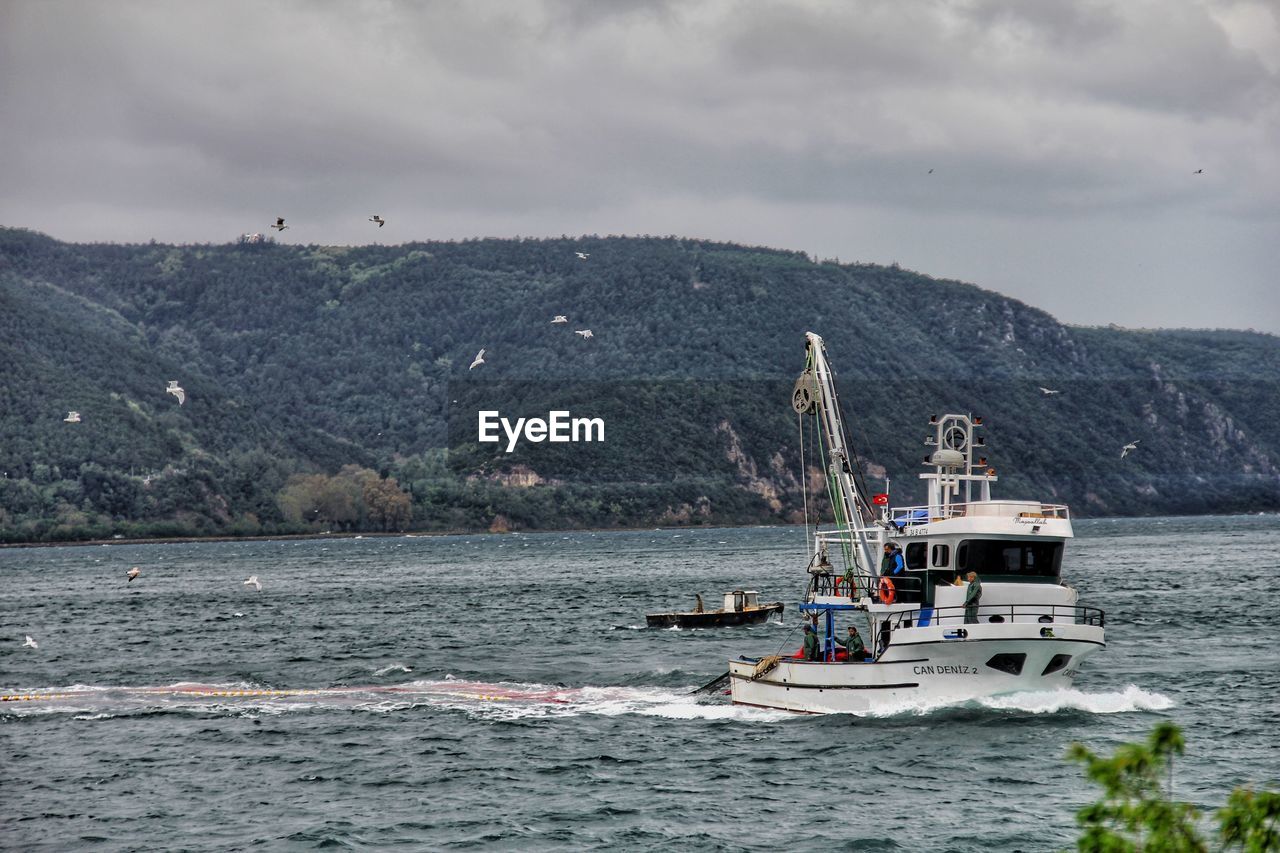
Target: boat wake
[
  {"x": 499, "y": 701},
  {"x": 485, "y": 700}
]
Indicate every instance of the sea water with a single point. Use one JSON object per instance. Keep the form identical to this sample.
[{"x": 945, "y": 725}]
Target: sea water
[{"x": 502, "y": 691}]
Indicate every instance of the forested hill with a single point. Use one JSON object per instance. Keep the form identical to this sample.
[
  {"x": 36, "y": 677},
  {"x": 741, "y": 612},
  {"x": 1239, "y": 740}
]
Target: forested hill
[{"x": 329, "y": 387}]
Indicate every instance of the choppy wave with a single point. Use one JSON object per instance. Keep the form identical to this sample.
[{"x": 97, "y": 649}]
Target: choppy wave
[{"x": 390, "y": 668}]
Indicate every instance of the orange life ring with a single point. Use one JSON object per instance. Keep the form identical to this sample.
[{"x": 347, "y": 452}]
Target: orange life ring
[
  {"x": 887, "y": 591},
  {"x": 835, "y": 587}
]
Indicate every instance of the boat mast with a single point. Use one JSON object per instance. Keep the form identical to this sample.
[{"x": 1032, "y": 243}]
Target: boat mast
[{"x": 816, "y": 390}]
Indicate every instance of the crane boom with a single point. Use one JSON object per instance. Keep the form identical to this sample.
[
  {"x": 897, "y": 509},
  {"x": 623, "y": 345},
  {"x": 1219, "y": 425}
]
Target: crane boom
[{"x": 816, "y": 391}]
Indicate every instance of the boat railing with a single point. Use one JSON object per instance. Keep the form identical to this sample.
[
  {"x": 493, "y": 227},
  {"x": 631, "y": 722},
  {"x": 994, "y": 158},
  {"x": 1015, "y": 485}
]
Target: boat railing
[
  {"x": 906, "y": 587},
  {"x": 1044, "y": 614},
  {"x": 910, "y": 516}
]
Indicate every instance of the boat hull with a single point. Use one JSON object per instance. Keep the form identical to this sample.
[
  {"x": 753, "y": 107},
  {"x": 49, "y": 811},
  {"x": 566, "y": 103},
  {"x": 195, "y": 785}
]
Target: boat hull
[
  {"x": 925, "y": 669},
  {"x": 713, "y": 618}
]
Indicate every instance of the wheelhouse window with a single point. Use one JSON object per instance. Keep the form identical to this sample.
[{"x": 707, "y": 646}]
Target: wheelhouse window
[
  {"x": 915, "y": 555},
  {"x": 941, "y": 556},
  {"x": 1010, "y": 557}
]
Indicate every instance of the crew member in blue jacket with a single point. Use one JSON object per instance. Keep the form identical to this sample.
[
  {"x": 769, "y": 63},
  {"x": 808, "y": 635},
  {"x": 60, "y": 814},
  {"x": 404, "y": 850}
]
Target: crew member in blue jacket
[{"x": 892, "y": 563}]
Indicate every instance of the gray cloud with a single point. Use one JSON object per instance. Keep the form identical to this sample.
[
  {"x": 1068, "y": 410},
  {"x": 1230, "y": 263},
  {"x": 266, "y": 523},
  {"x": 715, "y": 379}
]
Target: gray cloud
[{"x": 1063, "y": 136}]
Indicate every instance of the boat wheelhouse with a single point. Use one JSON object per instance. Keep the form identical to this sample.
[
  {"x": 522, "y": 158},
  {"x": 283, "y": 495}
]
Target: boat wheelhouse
[{"x": 1027, "y": 631}]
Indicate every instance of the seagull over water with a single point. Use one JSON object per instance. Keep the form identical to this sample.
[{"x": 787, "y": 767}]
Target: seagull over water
[
  {"x": 72, "y": 417},
  {"x": 479, "y": 360},
  {"x": 133, "y": 573},
  {"x": 586, "y": 333},
  {"x": 176, "y": 391},
  {"x": 1048, "y": 392},
  {"x": 253, "y": 582},
  {"x": 560, "y": 318},
  {"x": 279, "y": 226},
  {"x": 1133, "y": 445},
  {"x": 583, "y": 255},
  {"x": 378, "y": 219},
  {"x": 30, "y": 643}
]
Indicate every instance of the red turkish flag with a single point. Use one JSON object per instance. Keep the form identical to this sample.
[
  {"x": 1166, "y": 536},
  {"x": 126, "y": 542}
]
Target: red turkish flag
[{"x": 881, "y": 499}]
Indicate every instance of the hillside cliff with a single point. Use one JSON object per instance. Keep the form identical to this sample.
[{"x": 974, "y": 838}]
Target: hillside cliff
[{"x": 350, "y": 365}]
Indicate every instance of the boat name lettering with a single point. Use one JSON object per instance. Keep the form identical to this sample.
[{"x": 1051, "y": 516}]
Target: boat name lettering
[
  {"x": 945, "y": 669},
  {"x": 916, "y": 531},
  {"x": 558, "y": 426}
]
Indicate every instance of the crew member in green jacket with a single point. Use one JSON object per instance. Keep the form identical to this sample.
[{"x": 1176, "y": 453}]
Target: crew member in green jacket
[
  {"x": 812, "y": 650},
  {"x": 854, "y": 645},
  {"x": 972, "y": 598}
]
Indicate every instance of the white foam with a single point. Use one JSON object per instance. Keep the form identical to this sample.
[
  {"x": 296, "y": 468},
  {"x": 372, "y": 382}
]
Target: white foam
[
  {"x": 600, "y": 701},
  {"x": 1130, "y": 699}
]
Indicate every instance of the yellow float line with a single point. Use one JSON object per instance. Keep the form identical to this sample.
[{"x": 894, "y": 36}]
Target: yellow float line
[{"x": 34, "y": 697}]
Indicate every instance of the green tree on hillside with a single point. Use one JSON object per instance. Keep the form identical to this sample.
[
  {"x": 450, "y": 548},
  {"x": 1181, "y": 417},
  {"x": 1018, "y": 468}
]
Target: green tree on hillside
[{"x": 350, "y": 499}]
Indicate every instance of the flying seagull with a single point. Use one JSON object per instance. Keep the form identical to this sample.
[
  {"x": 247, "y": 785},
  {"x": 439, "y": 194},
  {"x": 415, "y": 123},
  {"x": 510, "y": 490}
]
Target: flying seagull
[
  {"x": 560, "y": 318},
  {"x": 586, "y": 333},
  {"x": 1048, "y": 392},
  {"x": 479, "y": 360},
  {"x": 133, "y": 573},
  {"x": 1133, "y": 445},
  {"x": 279, "y": 226},
  {"x": 176, "y": 391},
  {"x": 72, "y": 417},
  {"x": 253, "y": 582},
  {"x": 583, "y": 255},
  {"x": 931, "y": 171},
  {"x": 30, "y": 643},
  {"x": 378, "y": 219},
  {"x": 1198, "y": 172}
]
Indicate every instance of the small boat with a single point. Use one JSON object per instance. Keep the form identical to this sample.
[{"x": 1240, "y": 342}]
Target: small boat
[{"x": 741, "y": 607}]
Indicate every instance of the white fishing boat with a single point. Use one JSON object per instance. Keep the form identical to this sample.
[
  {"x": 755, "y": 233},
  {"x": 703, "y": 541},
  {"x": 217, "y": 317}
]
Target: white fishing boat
[{"x": 1027, "y": 631}]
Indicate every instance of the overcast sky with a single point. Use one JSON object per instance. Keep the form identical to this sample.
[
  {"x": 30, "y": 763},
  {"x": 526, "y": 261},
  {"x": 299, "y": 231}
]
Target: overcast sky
[{"x": 1063, "y": 136}]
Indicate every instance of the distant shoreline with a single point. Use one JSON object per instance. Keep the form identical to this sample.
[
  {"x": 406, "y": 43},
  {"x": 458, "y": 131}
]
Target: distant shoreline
[
  {"x": 175, "y": 540},
  {"x": 178, "y": 540}
]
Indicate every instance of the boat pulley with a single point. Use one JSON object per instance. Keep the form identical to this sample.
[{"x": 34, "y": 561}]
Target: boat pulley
[{"x": 804, "y": 397}]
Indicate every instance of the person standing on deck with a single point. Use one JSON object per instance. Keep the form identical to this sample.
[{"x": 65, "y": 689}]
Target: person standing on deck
[
  {"x": 853, "y": 645},
  {"x": 972, "y": 598},
  {"x": 812, "y": 650},
  {"x": 891, "y": 563}
]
